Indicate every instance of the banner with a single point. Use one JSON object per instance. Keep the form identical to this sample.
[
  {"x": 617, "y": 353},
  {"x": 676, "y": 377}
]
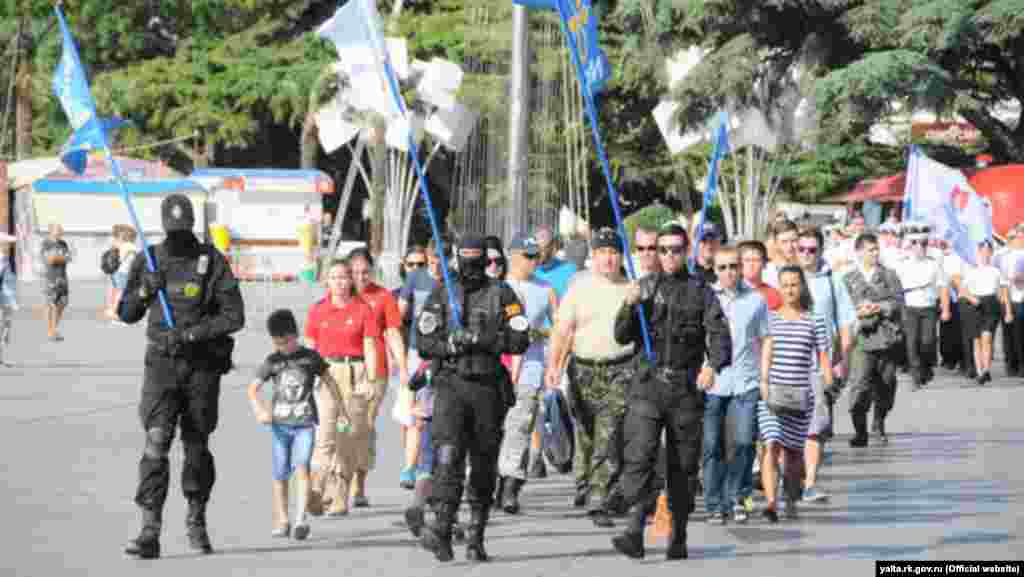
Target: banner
[{"x": 942, "y": 197}]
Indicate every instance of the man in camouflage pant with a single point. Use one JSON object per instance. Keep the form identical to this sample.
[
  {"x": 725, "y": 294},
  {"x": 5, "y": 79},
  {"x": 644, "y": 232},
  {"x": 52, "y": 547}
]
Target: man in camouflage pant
[{"x": 600, "y": 371}]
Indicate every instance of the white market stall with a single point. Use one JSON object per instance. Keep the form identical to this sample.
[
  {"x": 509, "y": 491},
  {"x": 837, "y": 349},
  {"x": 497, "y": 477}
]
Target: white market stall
[{"x": 265, "y": 213}]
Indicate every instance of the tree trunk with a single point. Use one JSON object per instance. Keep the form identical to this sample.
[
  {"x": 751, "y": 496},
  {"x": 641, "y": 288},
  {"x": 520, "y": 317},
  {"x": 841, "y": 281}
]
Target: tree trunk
[{"x": 23, "y": 120}]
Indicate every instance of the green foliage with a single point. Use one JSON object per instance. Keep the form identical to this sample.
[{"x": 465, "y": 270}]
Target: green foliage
[
  {"x": 651, "y": 216},
  {"x": 861, "y": 59}
]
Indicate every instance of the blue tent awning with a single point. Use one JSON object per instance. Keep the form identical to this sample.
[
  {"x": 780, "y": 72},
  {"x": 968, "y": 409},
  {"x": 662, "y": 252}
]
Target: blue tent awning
[{"x": 135, "y": 187}]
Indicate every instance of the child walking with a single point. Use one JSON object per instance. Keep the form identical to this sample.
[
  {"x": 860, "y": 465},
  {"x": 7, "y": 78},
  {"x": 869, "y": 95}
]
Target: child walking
[{"x": 292, "y": 415}]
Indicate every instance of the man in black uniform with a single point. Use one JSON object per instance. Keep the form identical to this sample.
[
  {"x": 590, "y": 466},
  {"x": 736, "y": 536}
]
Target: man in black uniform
[
  {"x": 684, "y": 319},
  {"x": 184, "y": 365},
  {"x": 469, "y": 403}
]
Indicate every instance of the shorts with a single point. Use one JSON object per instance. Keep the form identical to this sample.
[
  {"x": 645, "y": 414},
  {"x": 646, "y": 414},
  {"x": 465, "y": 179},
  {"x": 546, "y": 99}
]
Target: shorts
[
  {"x": 119, "y": 280},
  {"x": 56, "y": 292},
  {"x": 292, "y": 447},
  {"x": 425, "y": 464}
]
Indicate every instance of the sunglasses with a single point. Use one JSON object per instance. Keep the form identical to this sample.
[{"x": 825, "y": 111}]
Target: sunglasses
[
  {"x": 807, "y": 249},
  {"x": 646, "y": 248},
  {"x": 491, "y": 261},
  {"x": 415, "y": 264},
  {"x": 728, "y": 266},
  {"x": 674, "y": 249},
  {"x": 919, "y": 242}
]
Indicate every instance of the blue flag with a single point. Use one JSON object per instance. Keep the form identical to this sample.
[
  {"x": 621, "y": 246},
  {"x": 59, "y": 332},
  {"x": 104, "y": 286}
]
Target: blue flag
[
  {"x": 75, "y": 154},
  {"x": 582, "y": 24},
  {"x": 720, "y": 148},
  {"x": 72, "y": 89}
]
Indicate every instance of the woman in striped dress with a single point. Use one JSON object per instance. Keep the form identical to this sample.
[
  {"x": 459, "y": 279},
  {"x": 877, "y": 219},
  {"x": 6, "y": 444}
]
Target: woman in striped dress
[{"x": 795, "y": 336}]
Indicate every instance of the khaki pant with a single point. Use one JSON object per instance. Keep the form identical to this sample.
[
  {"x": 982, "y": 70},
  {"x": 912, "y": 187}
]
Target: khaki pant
[{"x": 353, "y": 448}]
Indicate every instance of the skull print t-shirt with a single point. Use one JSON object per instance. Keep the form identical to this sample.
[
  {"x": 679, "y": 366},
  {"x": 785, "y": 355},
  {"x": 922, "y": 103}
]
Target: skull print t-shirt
[{"x": 293, "y": 376}]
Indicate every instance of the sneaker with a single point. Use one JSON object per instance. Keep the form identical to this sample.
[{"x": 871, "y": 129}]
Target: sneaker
[
  {"x": 739, "y": 514},
  {"x": 360, "y": 502},
  {"x": 813, "y": 495},
  {"x": 407, "y": 478},
  {"x": 748, "y": 504},
  {"x": 771, "y": 515},
  {"x": 717, "y": 518},
  {"x": 301, "y": 532},
  {"x": 281, "y": 532}
]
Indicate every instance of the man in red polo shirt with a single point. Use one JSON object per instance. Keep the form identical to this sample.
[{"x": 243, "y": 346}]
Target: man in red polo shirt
[
  {"x": 344, "y": 330},
  {"x": 389, "y": 319}
]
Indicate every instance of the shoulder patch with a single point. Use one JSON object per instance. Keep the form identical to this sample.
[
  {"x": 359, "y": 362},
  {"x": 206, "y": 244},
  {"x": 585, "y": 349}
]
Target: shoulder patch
[
  {"x": 519, "y": 323},
  {"x": 428, "y": 323},
  {"x": 513, "y": 310}
]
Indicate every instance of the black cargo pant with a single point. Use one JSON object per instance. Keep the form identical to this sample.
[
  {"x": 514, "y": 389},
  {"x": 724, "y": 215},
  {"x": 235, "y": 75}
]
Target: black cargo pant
[
  {"x": 177, "y": 392},
  {"x": 678, "y": 409},
  {"x": 950, "y": 338},
  {"x": 468, "y": 418},
  {"x": 873, "y": 380},
  {"x": 919, "y": 327}
]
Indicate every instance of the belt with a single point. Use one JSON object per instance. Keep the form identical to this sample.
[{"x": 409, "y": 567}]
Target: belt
[
  {"x": 671, "y": 374},
  {"x": 358, "y": 359},
  {"x": 601, "y": 363}
]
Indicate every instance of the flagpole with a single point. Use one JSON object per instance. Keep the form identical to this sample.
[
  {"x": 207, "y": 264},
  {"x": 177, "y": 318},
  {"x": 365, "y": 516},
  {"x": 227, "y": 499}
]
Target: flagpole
[
  {"x": 588, "y": 99},
  {"x": 710, "y": 188},
  {"x": 116, "y": 170}
]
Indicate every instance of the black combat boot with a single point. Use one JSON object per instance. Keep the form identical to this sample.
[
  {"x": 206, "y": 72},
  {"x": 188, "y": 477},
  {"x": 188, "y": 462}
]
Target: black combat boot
[
  {"x": 414, "y": 520},
  {"x": 878, "y": 427},
  {"x": 475, "y": 539},
  {"x": 510, "y": 495},
  {"x": 147, "y": 544},
  {"x": 437, "y": 536},
  {"x": 631, "y": 542},
  {"x": 195, "y": 524},
  {"x": 860, "y": 427},
  {"x": 677, "y": 541}
]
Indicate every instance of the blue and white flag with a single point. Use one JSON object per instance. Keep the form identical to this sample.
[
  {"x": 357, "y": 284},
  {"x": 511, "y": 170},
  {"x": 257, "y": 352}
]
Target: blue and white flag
[
  {"x": 942, "y": 197},
  {"x": 582, "y": 23},
  {"x": 71, "y": 87},
  {"x": 720, "y": 148},
  {"x": 358, "y": 35}
]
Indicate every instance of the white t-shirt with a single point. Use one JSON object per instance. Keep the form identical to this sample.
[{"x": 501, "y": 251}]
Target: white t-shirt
[
  {"x": 921, "y": 279},
  {"x": 1012, "y": 267},
  {"x": 982, "y": 280}
]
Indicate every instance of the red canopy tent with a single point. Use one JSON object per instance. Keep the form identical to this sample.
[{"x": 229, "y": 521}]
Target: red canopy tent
[
  {"x": 888, "y": 189},
  {"x": 1003, "y": 185}
]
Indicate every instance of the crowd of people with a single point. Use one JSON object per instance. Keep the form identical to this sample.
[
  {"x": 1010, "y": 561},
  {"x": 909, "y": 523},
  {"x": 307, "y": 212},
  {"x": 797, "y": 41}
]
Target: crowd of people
[{"x": 717, "y": 377}]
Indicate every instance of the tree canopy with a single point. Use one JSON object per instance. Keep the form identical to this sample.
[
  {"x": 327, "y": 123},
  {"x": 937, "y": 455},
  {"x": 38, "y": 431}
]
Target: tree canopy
[{"x": 862, "y": 61}]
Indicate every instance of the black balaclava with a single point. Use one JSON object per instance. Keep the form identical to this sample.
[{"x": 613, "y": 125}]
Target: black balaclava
[
  {"x": 178, "y": 218},
  {"x": 473, "y": 270}
]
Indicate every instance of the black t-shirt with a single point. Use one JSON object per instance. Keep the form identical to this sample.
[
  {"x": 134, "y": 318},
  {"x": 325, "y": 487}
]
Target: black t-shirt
[{"x": 293, "y": 377}]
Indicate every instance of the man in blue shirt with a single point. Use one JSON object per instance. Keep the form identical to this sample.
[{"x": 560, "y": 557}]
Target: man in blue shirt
[
  {"x": 551, "y": 269},
  {"x": 734, "y": 392}
]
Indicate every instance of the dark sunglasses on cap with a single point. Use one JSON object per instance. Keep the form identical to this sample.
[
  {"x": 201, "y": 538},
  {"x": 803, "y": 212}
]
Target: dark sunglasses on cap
[
  {"x": 728, "y": 266},
  {"x": 674, "y": 249}
]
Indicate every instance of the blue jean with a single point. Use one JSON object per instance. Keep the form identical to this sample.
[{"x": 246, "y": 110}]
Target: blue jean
[
  {"x": 292, "y": 448},
  {"x": 724, "y": 482},
  {"x": 425, "y": 465}
]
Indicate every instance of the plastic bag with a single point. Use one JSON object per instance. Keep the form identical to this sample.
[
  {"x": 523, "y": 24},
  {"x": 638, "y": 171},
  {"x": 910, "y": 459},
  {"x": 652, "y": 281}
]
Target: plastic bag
[{"x": 557, "y": 433}]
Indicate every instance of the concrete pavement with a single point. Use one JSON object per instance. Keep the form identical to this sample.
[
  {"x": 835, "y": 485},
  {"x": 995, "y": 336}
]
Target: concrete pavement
[{"x": 948, "y": 485}]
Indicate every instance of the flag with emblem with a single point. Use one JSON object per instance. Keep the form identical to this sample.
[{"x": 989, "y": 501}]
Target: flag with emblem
[{"x": 942, "y": 197}]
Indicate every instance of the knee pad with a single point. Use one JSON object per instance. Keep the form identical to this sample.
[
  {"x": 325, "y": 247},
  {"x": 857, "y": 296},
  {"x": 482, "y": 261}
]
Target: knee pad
[
  {"x": 446, "y": 462},
  {"x": 158, "y": 443}
]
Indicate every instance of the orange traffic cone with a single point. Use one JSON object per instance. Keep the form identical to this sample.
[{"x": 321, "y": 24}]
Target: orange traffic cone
[{"x": 662, "y": 526}]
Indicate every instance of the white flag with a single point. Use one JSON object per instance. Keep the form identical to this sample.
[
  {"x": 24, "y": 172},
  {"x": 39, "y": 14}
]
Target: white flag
[{"x": 942, "y": 197}]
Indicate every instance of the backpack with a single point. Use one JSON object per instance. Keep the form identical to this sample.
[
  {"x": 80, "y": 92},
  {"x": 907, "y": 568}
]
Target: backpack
[{"x": 110, "y": 261}]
